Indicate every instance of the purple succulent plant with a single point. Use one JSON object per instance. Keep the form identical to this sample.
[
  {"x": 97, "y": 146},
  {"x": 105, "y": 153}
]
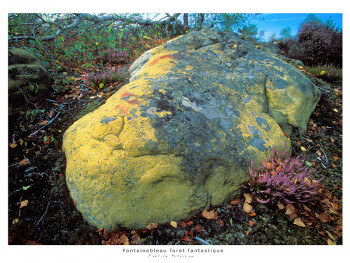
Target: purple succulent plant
[{"x": 282, "y": 178}]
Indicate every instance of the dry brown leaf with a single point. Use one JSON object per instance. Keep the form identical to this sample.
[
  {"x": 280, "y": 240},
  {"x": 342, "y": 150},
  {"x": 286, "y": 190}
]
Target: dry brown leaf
[
  {"x": 292, "y": 216},
  {"x": 197, "y": 228},
  {"x": 183, "y": 225},
  {"x": 23, "y": 203},
  {"x": 248, "y": 198},
  {"x": 151, "y": 226},
  {"x": 280, "y": 205},
  {"x": 173, "y": 224},
  {"x": 189, "y": 223},
  {"x": 252, "y": 213},
  {"x": 24, "y": 162},
  {"x": 306, "y": 208},
  {"x": 289, "y": 211},
  {"x": 251, "y": 223},
  {"x": 269, "y": 165},
  {"x": 247, "y": 208},
  {"x": 299, "y": 222},
  {"x": 235, "y": 202},
  {"x": 43, "y": 123},
  {"x": 13, "y": 145},
  {"x": 210, "y": 214},
  {"x": 124, "y": 239},
  {"x": 330, "y": 242},
  {"x": 186, "y": 239}
]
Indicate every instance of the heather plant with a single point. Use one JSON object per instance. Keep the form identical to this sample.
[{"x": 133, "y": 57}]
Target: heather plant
[
  {"x": 107, "y": 76},
  {"x": 282, "y": 178},
  {"x": 114, "y": 56}
]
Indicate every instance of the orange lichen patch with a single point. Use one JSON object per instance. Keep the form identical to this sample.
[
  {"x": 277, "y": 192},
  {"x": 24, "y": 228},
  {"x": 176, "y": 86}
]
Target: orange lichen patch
[
  {"x": 133, "y": 102},
  {"x": 123, "y": 109},
  {"x": 165, "y": 56},
  {"x": 126, "y": 94}
]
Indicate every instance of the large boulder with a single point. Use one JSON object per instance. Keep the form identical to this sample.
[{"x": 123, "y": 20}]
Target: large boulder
[
  {"x": 180, "y": 136},
  {"x": 28, "y": 79}
]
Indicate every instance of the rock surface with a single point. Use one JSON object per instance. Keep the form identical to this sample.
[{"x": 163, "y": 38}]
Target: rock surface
[
  {"x": 180, "y": 136},
  {"x": 28, "y": 75}
]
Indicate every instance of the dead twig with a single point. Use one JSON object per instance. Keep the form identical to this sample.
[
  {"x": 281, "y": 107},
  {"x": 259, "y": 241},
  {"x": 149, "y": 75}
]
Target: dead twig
[{"x": 45, "y": 125}]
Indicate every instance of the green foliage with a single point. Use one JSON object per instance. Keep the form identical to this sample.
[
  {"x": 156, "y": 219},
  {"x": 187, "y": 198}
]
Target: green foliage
[
  {"x": 286, "y": 33},
  {"x": 326, "y": 72},
  {"x": 249, "y": 32}
]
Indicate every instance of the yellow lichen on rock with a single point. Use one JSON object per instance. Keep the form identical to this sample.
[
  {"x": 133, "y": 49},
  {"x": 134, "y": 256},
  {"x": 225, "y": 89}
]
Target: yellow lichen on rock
[{"x": 179, "y": 137}]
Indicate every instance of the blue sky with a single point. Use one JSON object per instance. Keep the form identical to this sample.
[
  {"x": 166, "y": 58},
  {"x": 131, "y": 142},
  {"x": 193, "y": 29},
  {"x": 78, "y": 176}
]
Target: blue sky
[{"x": 275, "y": 22}]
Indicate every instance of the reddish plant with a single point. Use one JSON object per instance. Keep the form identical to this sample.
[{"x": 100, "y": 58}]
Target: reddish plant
[{"x": 282, "y": 178}]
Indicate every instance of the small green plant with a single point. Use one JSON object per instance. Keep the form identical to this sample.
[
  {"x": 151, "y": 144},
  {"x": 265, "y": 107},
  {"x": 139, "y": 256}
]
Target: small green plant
[
  {"x": 327, "y": 72},
  {"x": 33, "y": 88}
]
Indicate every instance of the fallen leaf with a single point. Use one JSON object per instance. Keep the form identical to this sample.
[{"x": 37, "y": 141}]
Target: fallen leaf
[
  {"x": 13, "y": 145},
  {"x": 269, "y": 165},
  {"x": 292, "y": 216},
  {"x": 197, "y": 228},
  {"x": 303, "y": 148},
  {"x": 335, "y": 187},
  {"x": 124, "y": 239},
  {"x": 221, "y": 223},
  {"x": 335, "y": 158},
  {"x": 247, "y": 233},
  {"x": 15, "y": 221},
  {"x": 210, "y": 214},
  {"x": 189, "y": 223},
  {"x": 248, "y": 198},
  {"x": 186, "y": 239},
  {"x": 24, "y": 162},
  {"x": 330, "y": 242},
  {"x": 151, "y": 226},
  {"x": 235, "y": 202},
  {"x": 23, "y": 203},
  {"x": 252, "y": 213},
  {"x": 30, "y": 242},
  {"x": 319, "y": 153},
  {"x": 183, "y": 225},
  {"x": 251, "y": 223},
  {"x": 335, "y": 205},
  {"x": 290, "y": 209},
  {"x": 306, "y": 208},
  {"x": 280, "y": 205},
  {"x": 43, "y": 123},
  {"x": 299, "y": 222},
  {"x": 247, "y": 208},
  {"x": 332, "y": 140},
  {"x": 173, "y": 224}
]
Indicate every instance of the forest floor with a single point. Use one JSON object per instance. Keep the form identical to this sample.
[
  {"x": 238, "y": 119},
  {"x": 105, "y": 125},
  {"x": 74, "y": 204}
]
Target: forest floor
[{"x": 40, "y": 210}]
